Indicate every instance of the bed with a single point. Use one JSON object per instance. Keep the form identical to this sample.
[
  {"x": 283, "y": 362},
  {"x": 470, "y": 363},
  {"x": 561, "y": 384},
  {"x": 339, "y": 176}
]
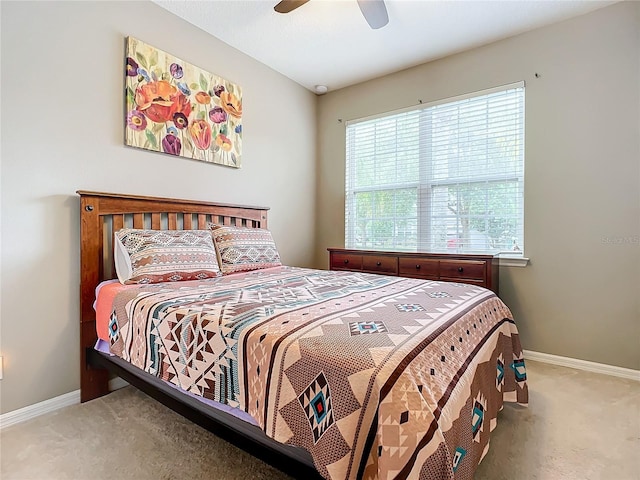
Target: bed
[{"x": 337, "y": 375}]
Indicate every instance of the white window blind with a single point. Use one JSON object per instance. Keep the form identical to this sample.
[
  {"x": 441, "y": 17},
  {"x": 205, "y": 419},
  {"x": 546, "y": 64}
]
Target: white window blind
[{"x": 445, "y": 177}]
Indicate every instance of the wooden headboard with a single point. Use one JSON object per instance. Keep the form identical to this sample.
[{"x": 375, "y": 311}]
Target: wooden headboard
[{"x": 103, "y": 214}]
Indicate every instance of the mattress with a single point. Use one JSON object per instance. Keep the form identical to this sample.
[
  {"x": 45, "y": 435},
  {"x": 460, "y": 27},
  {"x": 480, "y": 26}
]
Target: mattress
[{"x": 375, "y": 376}]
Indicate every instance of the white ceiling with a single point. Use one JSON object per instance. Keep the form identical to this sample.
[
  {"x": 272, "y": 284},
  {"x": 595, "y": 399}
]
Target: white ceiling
[{"x": 328, "y": 42}]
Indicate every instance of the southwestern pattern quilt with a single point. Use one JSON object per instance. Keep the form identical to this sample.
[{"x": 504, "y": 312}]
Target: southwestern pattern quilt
[{"x": 378, "y": 377}]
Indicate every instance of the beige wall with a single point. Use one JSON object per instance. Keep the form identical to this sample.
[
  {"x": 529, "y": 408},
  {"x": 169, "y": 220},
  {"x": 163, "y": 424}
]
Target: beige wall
[
  {"x": 62, "y": 130},
  {"x": 580, "y": 295}
]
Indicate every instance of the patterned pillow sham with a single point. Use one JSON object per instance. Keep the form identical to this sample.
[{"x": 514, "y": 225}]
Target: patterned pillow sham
[
  {"x": 154, "y": 256},
  {"x": 241, "y": 248}
]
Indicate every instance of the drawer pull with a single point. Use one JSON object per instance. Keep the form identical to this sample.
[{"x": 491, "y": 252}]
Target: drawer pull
[
  {"x": 346, "y": 260},
  {"x": 378, "y": 263},
  {"x": 418, "y": 267},
  {"x": 460, "y": 269}
]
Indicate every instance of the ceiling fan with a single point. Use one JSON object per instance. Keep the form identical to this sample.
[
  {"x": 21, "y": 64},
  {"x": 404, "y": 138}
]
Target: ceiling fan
[{"x": 374, "y": 11}]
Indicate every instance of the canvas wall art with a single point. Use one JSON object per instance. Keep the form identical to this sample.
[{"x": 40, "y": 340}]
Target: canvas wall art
[{"x": 179, "y": 109}]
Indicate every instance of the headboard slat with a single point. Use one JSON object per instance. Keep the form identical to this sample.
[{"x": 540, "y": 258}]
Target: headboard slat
[
  {"x": 138, "y": 220},
  {"x": 187, "y": 220},
  {"x": 173, "y": 221},
  {"x": 155, "y": 221},
  {"x": 118, "y": 222}
]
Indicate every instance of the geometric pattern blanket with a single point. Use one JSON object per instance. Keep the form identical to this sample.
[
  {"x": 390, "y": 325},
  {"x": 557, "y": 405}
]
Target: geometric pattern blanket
[{"x": 378, "y": 377}]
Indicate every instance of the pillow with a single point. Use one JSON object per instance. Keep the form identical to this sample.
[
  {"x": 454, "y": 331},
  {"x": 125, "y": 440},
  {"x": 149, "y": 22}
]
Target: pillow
[
  {"x": 242, "y": 248},
  {"x": 154, "y": 256}
]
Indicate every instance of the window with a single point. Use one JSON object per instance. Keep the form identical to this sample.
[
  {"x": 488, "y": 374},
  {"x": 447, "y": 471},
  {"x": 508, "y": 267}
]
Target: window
[{"x": 445, "y": 177}]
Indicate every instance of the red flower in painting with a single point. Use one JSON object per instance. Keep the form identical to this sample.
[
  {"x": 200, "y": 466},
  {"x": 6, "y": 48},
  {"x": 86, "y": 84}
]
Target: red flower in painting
[
  {"x": 200, "y": 131},
  {"x": 160, "y": 101},
  {"x": 182, "y": 105}
]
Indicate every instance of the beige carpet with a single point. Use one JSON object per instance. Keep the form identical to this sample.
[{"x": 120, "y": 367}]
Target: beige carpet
[{"x": 578, "y": 426}]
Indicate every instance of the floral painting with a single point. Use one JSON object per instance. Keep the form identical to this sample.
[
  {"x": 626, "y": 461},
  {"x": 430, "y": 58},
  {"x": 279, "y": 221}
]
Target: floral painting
[{"x": 179, "y": 109}]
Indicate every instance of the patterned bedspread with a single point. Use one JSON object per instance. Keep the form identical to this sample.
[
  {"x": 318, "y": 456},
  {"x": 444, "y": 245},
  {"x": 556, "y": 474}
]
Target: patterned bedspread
[{"x": 378, "y": 377}]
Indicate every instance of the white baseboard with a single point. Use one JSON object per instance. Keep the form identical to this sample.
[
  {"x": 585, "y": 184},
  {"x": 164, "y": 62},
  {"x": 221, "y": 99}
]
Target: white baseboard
[
  {"x": 585, "y": 365},
  {"x": 32, "y": 411},
  {"x": 51, "y": 405}
]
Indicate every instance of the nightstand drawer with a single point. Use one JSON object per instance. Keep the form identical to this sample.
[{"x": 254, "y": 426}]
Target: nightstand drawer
[
  {"x": 418, "y": 267},
  {"x": 346, "y": 261},
  {"x": 380, "y": 264},
  {"x": 459, "y": 269}
]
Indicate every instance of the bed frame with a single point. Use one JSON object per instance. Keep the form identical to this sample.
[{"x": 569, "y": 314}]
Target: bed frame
[{"x": 102, "y": 214}]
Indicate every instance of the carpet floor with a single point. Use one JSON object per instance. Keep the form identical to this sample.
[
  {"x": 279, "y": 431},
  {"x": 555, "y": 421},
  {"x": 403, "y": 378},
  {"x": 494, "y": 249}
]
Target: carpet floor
[{"x": 578, "y": 425}]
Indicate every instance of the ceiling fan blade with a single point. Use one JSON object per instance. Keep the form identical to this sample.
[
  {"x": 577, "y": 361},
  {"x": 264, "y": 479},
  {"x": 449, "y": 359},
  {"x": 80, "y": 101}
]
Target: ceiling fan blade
[
  {"x": 286, "y": 6},
  {"x": 374, "y": 12}
]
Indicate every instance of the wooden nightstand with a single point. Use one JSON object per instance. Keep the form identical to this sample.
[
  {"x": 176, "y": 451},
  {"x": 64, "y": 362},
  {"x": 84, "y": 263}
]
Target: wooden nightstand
[{"x": 481, "y": 270}]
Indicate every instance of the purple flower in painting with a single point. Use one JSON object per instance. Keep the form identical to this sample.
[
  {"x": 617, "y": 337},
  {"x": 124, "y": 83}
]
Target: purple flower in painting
[
  {"x": 136, "y": 120},
  {"x": 143, "y": 73},
  {"x": 132, "y": 67},
  {"x": 176, "y": 70},
  {"x": 172, "y": 131},
  {"x": 180, "y": 120},
  {"x": 217, "y": 115},
  {"x": 171, "y": 144},
  {"x": 184, "y": 89},
  {"x": 218, "y": 90},
  {"x": 238, "y": 128}
]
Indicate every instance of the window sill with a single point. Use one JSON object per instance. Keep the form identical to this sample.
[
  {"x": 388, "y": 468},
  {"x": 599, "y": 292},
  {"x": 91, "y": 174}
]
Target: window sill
[{"x": 513, "y": 261}]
